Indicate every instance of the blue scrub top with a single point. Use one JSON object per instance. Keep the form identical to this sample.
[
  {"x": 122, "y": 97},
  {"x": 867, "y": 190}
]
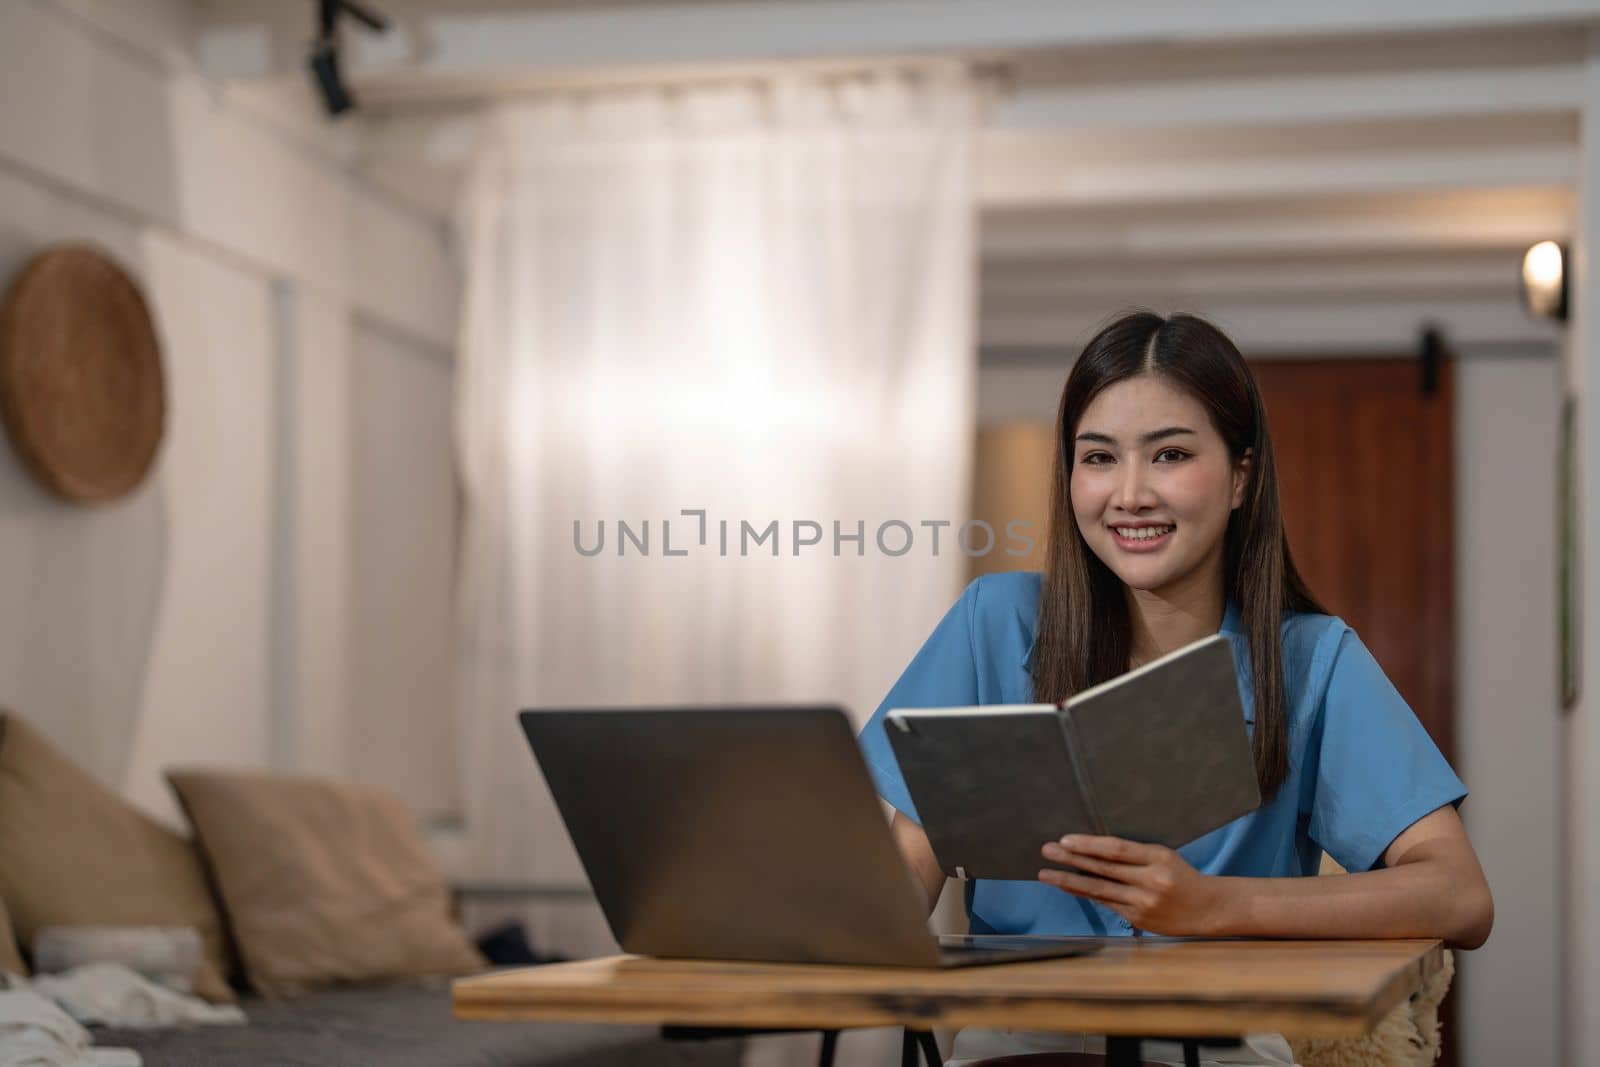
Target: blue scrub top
[{"x": 1361, "y": 767}]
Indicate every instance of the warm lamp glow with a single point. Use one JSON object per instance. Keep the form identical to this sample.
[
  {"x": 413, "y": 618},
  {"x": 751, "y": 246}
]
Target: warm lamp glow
[{"x": 1544, "y": 280}]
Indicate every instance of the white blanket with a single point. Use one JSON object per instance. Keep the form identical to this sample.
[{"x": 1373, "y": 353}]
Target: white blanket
[
  {"x": 34, "y": 1032},
  {"x": 42, "y": 1019},
  {"x": 109, "y": 994}
]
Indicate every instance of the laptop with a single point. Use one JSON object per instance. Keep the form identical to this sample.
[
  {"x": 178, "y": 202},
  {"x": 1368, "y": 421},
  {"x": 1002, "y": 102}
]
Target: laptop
[{"x": 745, "y": 833}]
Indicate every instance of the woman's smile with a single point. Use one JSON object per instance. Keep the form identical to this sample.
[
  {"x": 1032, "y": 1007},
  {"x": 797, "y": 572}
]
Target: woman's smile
[{"x": 1141, "y": 537}]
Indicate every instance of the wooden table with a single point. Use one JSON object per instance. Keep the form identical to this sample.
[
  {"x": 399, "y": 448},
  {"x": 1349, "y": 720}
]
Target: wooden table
[{"x": 1133, "y": 986}]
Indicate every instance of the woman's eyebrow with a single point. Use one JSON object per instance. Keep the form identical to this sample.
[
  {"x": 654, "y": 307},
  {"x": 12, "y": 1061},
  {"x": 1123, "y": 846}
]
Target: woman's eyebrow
[{"x": 1153, "y": 435}]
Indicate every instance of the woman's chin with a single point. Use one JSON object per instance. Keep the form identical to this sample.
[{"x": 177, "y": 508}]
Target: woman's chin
[
  {"x": 1140, "y": 584},
  {"x": 1151, "y": 578}
]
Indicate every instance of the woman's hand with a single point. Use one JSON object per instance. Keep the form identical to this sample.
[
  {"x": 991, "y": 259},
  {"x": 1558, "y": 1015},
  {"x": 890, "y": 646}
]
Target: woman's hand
[{"x": 1151, "y": 886}]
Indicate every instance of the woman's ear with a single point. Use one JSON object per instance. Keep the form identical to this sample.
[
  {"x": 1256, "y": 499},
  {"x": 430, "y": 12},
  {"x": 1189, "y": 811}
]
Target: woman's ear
[{"x": 1241, "y": 476}]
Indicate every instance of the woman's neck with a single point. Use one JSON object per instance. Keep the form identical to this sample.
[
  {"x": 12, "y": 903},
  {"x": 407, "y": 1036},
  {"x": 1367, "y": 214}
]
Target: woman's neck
[{"x": 1167, "y": 619}]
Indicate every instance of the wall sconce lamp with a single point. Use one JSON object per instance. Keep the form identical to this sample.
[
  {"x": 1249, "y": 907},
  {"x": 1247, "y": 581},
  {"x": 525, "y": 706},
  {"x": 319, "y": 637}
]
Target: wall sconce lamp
[{"x": 1544, "y": 281}]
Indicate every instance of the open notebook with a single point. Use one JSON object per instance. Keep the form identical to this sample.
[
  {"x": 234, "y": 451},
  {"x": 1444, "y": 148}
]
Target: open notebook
[{"x": 1159, "y": 754}]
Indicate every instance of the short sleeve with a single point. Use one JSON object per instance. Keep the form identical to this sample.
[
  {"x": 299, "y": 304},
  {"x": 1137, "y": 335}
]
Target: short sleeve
[
  {"x": 942, "y": 674},
  {"x": 1377, "y": 770}
]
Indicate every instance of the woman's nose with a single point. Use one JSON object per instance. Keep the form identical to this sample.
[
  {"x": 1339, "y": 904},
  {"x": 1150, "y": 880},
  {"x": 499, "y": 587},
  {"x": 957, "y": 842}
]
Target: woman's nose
[{"x": 1134, "y": 492}]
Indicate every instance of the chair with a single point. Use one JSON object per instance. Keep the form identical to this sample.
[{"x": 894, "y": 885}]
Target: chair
[{"x": 1407, "y": 1037}]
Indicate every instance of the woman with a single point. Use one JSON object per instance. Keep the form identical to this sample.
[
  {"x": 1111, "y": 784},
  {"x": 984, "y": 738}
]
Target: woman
[{"x": 1165, "y": 528}]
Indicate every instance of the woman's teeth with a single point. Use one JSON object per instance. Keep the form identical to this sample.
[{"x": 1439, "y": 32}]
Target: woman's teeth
[{"x": 1142, "y": 533}]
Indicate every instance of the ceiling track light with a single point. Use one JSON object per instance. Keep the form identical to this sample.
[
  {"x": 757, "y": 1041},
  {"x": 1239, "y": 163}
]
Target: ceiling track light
[{"x": 324, "y": 60}]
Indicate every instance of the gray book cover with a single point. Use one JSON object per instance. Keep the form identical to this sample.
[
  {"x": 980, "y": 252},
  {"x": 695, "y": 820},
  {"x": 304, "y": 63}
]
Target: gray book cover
[{"x": 1159, "y": 754}]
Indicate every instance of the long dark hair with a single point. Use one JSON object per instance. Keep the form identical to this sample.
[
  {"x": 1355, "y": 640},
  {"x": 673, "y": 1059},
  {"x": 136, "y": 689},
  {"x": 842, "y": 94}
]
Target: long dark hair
[{"x": 1085, "y": 634}]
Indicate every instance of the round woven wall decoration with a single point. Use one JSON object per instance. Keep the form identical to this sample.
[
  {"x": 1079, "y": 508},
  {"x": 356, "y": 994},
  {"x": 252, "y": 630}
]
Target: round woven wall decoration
[{"x": 82, "y": 391}]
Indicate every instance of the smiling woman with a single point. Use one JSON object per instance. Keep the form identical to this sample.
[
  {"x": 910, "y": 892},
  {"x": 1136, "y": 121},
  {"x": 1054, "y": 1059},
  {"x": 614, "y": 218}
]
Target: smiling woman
[
  {"x": 1160, "y": 423},
  {"x": 1165, "y": 528}
]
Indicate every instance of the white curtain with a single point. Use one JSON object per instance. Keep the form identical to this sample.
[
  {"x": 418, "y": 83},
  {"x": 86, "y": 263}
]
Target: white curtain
[{"x": 755, "y": 302}]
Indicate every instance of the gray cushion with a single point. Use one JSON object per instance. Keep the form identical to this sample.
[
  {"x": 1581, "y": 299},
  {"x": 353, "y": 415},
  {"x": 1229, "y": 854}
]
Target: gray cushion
[{"x": 406, "y": 1026}]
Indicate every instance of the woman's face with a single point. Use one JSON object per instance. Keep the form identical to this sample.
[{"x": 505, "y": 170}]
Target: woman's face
[{"x": 1152, "y": 483}]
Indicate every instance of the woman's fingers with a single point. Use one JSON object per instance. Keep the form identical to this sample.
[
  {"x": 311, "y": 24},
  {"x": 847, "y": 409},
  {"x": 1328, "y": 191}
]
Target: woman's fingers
[
  {"x": 1084, "y": 885},
  {"x": 1121, "y": 872},
  {"x": 1118, "y": 849},
  {"x": 1151, "y": 886}
]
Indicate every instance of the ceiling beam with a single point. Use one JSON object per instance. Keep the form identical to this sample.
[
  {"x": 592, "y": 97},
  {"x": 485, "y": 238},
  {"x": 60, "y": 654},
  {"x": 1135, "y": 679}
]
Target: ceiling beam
[
  {"x": 1006, "y": 181},
  {"x": 1029, "y": 239},
  {"x": 1356, "y": 96},
  {"x": 1087, "y": 169},
  {"x": 1268, "y": 329},
  {"x": 690, "y": 33},
  {"x": 436, "y": 52},
  {"x": 1376, "y": 277}
]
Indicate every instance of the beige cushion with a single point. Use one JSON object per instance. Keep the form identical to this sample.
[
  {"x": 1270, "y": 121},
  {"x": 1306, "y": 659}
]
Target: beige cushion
[
  {"x": 77, "y": 854},
  {"x": 10, "y": 955},
  {"x": 322, "y": 882}
]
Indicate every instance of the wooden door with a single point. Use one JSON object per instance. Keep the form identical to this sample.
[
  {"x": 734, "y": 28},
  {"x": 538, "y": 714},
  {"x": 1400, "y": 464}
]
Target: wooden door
[
  {"x": 1366, "y": 469},
  {"x": 1366, "y": 474}
]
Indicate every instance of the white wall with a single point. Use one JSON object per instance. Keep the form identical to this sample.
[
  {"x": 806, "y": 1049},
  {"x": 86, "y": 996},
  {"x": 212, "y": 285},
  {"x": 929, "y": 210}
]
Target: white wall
[
  {"x": 403, "y": 520},
  {"x": 1580, "y": 740},
  {"x": 1509, "y": 991},
  {"x": 205, "y": 617},
  {"x": 206, "y": 696},
  {"x": 311, "y": 539}
]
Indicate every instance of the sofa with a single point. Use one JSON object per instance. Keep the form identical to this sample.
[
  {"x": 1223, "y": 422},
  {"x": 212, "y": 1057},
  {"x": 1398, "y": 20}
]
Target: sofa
[
  {"x": 407, "y": 1026},
  {"x": 318, "y": 907}
]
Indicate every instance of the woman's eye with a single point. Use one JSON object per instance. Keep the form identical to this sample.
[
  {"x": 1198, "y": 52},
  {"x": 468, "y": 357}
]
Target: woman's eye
[
  {"x": 1171, "y": 455},
  {"x": 1095, "y": 459}
]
